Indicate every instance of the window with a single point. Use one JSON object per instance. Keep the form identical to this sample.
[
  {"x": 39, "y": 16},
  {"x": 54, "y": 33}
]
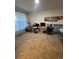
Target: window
[{"x": 20, "y": 21}]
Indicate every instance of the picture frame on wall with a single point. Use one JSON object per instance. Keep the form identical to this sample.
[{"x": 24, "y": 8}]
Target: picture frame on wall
[
  {"x": 53, "y": 18},
  {"x": 47, "y": 19}
]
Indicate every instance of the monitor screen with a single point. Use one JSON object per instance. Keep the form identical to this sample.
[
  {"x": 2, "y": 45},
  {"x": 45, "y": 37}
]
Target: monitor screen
[
  {"x": 36, "y": 24},
  {"x": 42, "y": 24}
]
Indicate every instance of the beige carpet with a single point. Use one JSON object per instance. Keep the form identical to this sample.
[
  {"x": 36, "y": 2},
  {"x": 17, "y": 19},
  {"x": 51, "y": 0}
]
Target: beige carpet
[{"x": 39, "y": 46}]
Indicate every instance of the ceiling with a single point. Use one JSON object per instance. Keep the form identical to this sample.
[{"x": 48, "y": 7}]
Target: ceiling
[{"x": 30, "y": 6}]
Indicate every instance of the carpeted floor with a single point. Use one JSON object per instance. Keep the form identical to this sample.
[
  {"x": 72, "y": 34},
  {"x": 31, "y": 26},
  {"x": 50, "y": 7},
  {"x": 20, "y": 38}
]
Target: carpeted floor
[{"x": 39, "y": 46}]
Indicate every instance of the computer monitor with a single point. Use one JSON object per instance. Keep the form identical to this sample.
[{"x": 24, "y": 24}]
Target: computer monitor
[
  {"x": 36, "y": 24},
  {"x": 42, "y": 24}
]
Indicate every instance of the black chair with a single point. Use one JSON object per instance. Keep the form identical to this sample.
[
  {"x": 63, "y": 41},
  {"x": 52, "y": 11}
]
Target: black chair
[
  {"x": 28, "y": 29},
  {"x": 50, "y": 29}
]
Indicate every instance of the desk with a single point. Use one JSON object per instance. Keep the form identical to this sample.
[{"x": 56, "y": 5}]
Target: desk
[{"x": 41, "y": 29}]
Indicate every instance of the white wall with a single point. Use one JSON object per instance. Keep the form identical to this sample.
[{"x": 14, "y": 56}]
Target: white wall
[{"x": 39, "y": 16}]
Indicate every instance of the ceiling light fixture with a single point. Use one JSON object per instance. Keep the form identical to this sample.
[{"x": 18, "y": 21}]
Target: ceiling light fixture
[{"x": 37, "y": 1}]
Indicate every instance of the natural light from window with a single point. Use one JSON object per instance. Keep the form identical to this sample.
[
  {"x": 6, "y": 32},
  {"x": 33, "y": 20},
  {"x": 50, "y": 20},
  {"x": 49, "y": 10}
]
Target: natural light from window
[{"x": 20, "y": 21}]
